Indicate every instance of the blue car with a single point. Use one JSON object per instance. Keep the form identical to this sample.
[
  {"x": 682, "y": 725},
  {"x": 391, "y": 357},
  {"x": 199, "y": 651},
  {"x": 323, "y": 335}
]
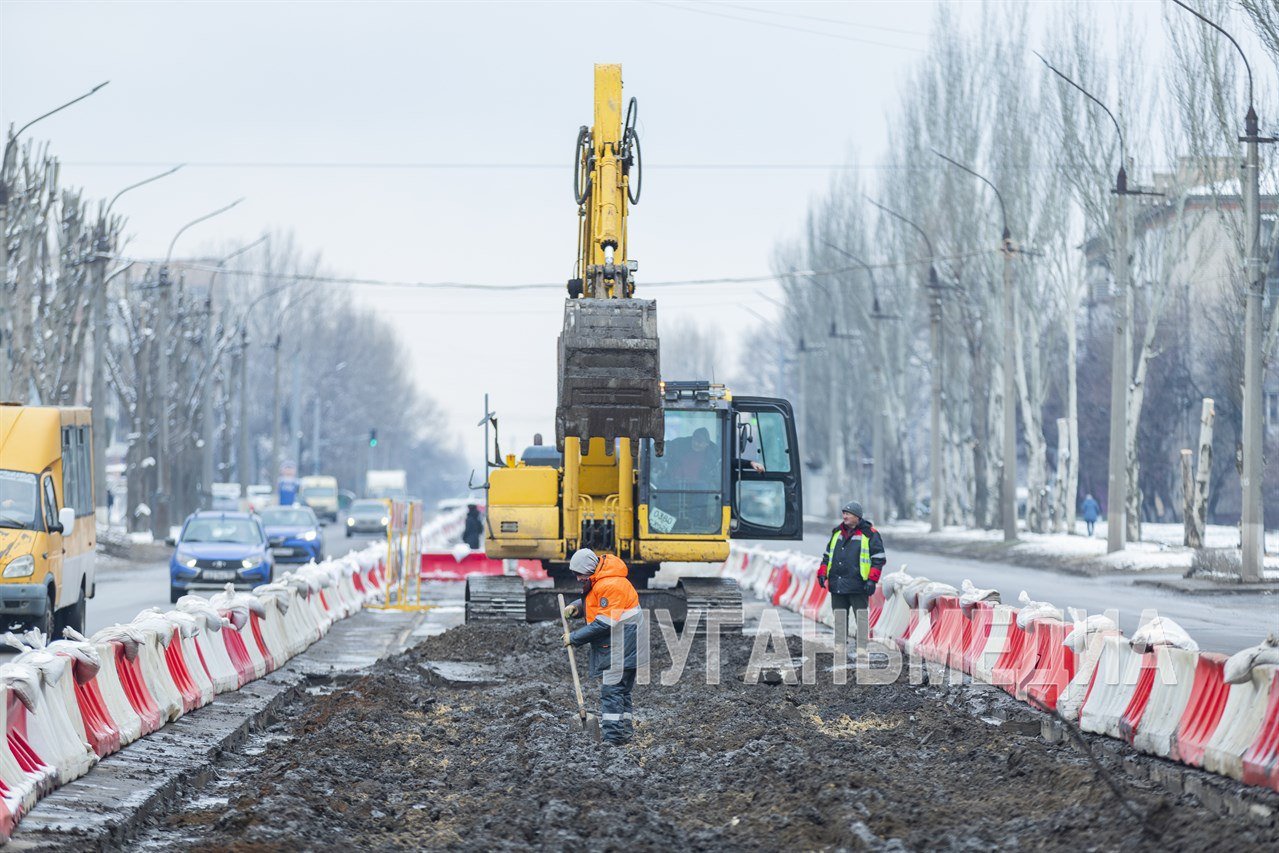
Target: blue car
[
  {"x": 293, "y": 533},
  {"x": 217, "y": 548}
]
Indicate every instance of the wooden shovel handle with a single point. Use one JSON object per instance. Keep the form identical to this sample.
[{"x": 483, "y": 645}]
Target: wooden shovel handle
[{"x": 572, "y": 662}]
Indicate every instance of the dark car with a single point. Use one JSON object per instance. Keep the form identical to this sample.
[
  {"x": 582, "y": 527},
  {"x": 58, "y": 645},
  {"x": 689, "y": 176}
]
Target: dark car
[
  {"x": 217, "y": 548},
  {"x": 368, "y": 516},
  {"x": 293, "y": 532}
]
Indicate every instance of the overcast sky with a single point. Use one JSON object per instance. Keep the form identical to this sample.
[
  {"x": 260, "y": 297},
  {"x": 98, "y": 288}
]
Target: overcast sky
[{"x": 444, "y": 132}]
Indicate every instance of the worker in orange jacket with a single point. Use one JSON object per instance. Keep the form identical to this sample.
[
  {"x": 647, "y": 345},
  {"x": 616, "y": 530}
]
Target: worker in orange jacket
[{"x": 613, "y": 619}]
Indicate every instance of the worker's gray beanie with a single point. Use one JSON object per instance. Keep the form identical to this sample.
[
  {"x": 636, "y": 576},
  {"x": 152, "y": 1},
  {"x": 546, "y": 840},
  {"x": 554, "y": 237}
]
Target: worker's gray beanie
[
  {"x": 583, "y": 562},
  {"x": 855, "y": 508}
]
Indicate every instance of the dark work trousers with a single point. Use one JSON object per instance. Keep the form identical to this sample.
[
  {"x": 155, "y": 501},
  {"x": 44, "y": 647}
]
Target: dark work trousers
[
  {"x": 616, "y": 718},
  {"x": 846, "y": 607}
]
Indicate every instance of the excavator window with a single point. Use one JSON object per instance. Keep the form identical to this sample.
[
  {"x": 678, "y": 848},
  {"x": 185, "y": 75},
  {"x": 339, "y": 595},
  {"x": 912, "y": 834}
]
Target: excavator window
[
  {"x": 766, "y": 492},
  {"x": 686, "y": 483},
  {"x": 763, "y": 440}
]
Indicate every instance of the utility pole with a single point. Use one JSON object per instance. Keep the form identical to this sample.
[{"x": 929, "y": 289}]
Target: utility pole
[
  {"x": 1120, "y": 369},
  {"x": 936, "y": 504},
  {"x": 295, "y": 415},
  {"x": 160, "y": 510},
  {"x": 101, "y": 339},
  {"x": 98, "y": 385},
  {"x": 206, "y": 413},
  {"x": 275, "y": 414},
  {"x": 1121, "y": 351},
  {"x": 315, "y": 439},
  {"x": 166, "y": 342},
  {"x": 1008, "y": 490},
  {"x": 878, "y": 356},
  {"x": 211, "y": 337},
  {"x": 837, "y": 448},
  {"x": 1251, "y": 522},
  {"x": 877, "y": 497},
  {"x": 242, "y": 461},
  {"x": 1008, "y": 494}
]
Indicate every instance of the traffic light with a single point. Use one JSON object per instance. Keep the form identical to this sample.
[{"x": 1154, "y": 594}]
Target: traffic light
[{"x": 372, "y": 438}]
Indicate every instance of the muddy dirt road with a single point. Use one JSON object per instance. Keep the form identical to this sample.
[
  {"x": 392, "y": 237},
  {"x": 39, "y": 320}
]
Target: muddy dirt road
[{"x": 400, "y": 759}]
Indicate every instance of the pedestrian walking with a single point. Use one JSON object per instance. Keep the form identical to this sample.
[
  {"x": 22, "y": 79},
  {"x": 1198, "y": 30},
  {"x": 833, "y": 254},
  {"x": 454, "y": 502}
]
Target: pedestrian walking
[
  {"x": 473, "y": 529},
  {"x": 1091, "y": 511},
  {"x": 613, "y": 619},
  {"x": 850, "y": 570}
]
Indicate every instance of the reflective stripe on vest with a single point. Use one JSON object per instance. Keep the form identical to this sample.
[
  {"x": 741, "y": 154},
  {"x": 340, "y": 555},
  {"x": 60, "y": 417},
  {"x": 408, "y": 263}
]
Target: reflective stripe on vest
[{"x": 863, "y": 553}]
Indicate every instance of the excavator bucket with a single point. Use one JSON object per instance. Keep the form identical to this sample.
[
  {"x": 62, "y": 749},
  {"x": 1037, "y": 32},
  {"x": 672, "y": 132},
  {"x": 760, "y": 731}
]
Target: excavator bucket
[{"x": 609, "y": 375}]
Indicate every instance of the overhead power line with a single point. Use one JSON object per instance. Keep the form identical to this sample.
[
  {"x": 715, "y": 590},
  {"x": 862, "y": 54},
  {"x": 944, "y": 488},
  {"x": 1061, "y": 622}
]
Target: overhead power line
[
  {"x": 559, "y": 285},
  {"x": 446, "y": 166},
  {"x": 457, "y": 166}
]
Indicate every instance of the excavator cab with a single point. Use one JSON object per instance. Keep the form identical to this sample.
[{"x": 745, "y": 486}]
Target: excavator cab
[{"x": 730, "y": 466}]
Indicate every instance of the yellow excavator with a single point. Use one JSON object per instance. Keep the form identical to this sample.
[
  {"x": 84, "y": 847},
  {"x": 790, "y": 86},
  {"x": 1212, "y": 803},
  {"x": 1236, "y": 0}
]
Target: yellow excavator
[{"x": 652, "y": 471}]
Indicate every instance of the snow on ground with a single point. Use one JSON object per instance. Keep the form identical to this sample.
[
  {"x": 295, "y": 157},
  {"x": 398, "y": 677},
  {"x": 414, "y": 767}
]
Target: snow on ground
[{"x": 1159, "y": 549}]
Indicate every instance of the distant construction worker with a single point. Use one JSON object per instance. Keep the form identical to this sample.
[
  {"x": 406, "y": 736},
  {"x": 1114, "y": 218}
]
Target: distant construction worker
[
  {"x": 850, "y": 570},
  {"x": 474, "y": 528},
  {"x": 613, "y": 619}
]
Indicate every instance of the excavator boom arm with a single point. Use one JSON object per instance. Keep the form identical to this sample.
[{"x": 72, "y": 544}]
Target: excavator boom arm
[{"x": 609, "y": 373}]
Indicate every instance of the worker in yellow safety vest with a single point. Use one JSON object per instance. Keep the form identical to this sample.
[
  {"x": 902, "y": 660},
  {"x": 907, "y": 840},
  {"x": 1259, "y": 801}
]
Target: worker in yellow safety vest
[{"x": 850, "y": 570}]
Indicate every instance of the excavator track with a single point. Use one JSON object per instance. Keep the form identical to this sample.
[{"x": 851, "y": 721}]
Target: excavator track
[
  {"x": 495, "y": 598},
  {"x": 717, "y": 599},
  {"x": 609, "y": 372}
]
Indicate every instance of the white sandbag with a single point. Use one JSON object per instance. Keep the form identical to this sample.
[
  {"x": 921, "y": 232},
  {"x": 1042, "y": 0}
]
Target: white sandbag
[
  {"x": 1032, "y": 610},
  {"x": 1239, "y": 666},
  {"x": 893, "y": 582},
  {"x": 1078, "y": 638},
  {"x": 928, "y": 593},
  {"x": 1161, "y": 631},
  {"x": 912, "y": 590},
  {"x": 970, "y": 594}
]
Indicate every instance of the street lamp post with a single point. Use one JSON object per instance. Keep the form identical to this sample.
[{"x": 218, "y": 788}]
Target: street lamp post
[
  {"x": 207, "y": 474},
  {"x": 1251, "y": 522},
  {"x": 1121, "y": 350},
  {"x": 878, "y": 357},
  {"x": 935, "y": 504},
  {"x": 835, "y": 448},
  {"x": 242, "y": 455},
  {"x": 100, "y": 339},
  {"x": 244, "y": 452},
  {"x": 9, "y": 144},
  {"x": 275, "y": 411},
  {"x": 1008, "y": 492},
  {"x": 160, "y": 518}
]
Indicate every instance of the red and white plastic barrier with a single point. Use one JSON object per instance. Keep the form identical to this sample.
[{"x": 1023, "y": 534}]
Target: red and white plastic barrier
[
  {"x": 1155, "y": 690},
  {"x": 70, "y": 702}
]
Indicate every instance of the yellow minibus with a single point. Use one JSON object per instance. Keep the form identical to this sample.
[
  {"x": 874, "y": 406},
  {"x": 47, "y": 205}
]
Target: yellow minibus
[{"x": 47, "y": 527}]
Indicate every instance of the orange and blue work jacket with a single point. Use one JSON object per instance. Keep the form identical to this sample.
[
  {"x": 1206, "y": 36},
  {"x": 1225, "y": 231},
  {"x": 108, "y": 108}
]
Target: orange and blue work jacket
[{"x": 613, "y": 620}]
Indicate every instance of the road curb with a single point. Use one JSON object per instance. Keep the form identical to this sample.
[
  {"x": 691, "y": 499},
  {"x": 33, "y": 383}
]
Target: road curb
[
  {"x": 1189, "y": 586},
  {"x": 104, "y": 808}
]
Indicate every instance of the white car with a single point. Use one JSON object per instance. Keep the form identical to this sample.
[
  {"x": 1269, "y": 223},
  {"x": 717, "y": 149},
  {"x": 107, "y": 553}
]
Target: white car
[{"x": 258, "y": 497}]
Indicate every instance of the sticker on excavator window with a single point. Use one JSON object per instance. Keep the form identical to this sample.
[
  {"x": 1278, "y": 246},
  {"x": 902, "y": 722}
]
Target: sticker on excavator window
[{"x": 662, "y": 522}]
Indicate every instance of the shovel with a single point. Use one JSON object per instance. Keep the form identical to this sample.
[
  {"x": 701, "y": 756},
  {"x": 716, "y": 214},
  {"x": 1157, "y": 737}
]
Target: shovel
[{"x": 590, "y": 723}]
